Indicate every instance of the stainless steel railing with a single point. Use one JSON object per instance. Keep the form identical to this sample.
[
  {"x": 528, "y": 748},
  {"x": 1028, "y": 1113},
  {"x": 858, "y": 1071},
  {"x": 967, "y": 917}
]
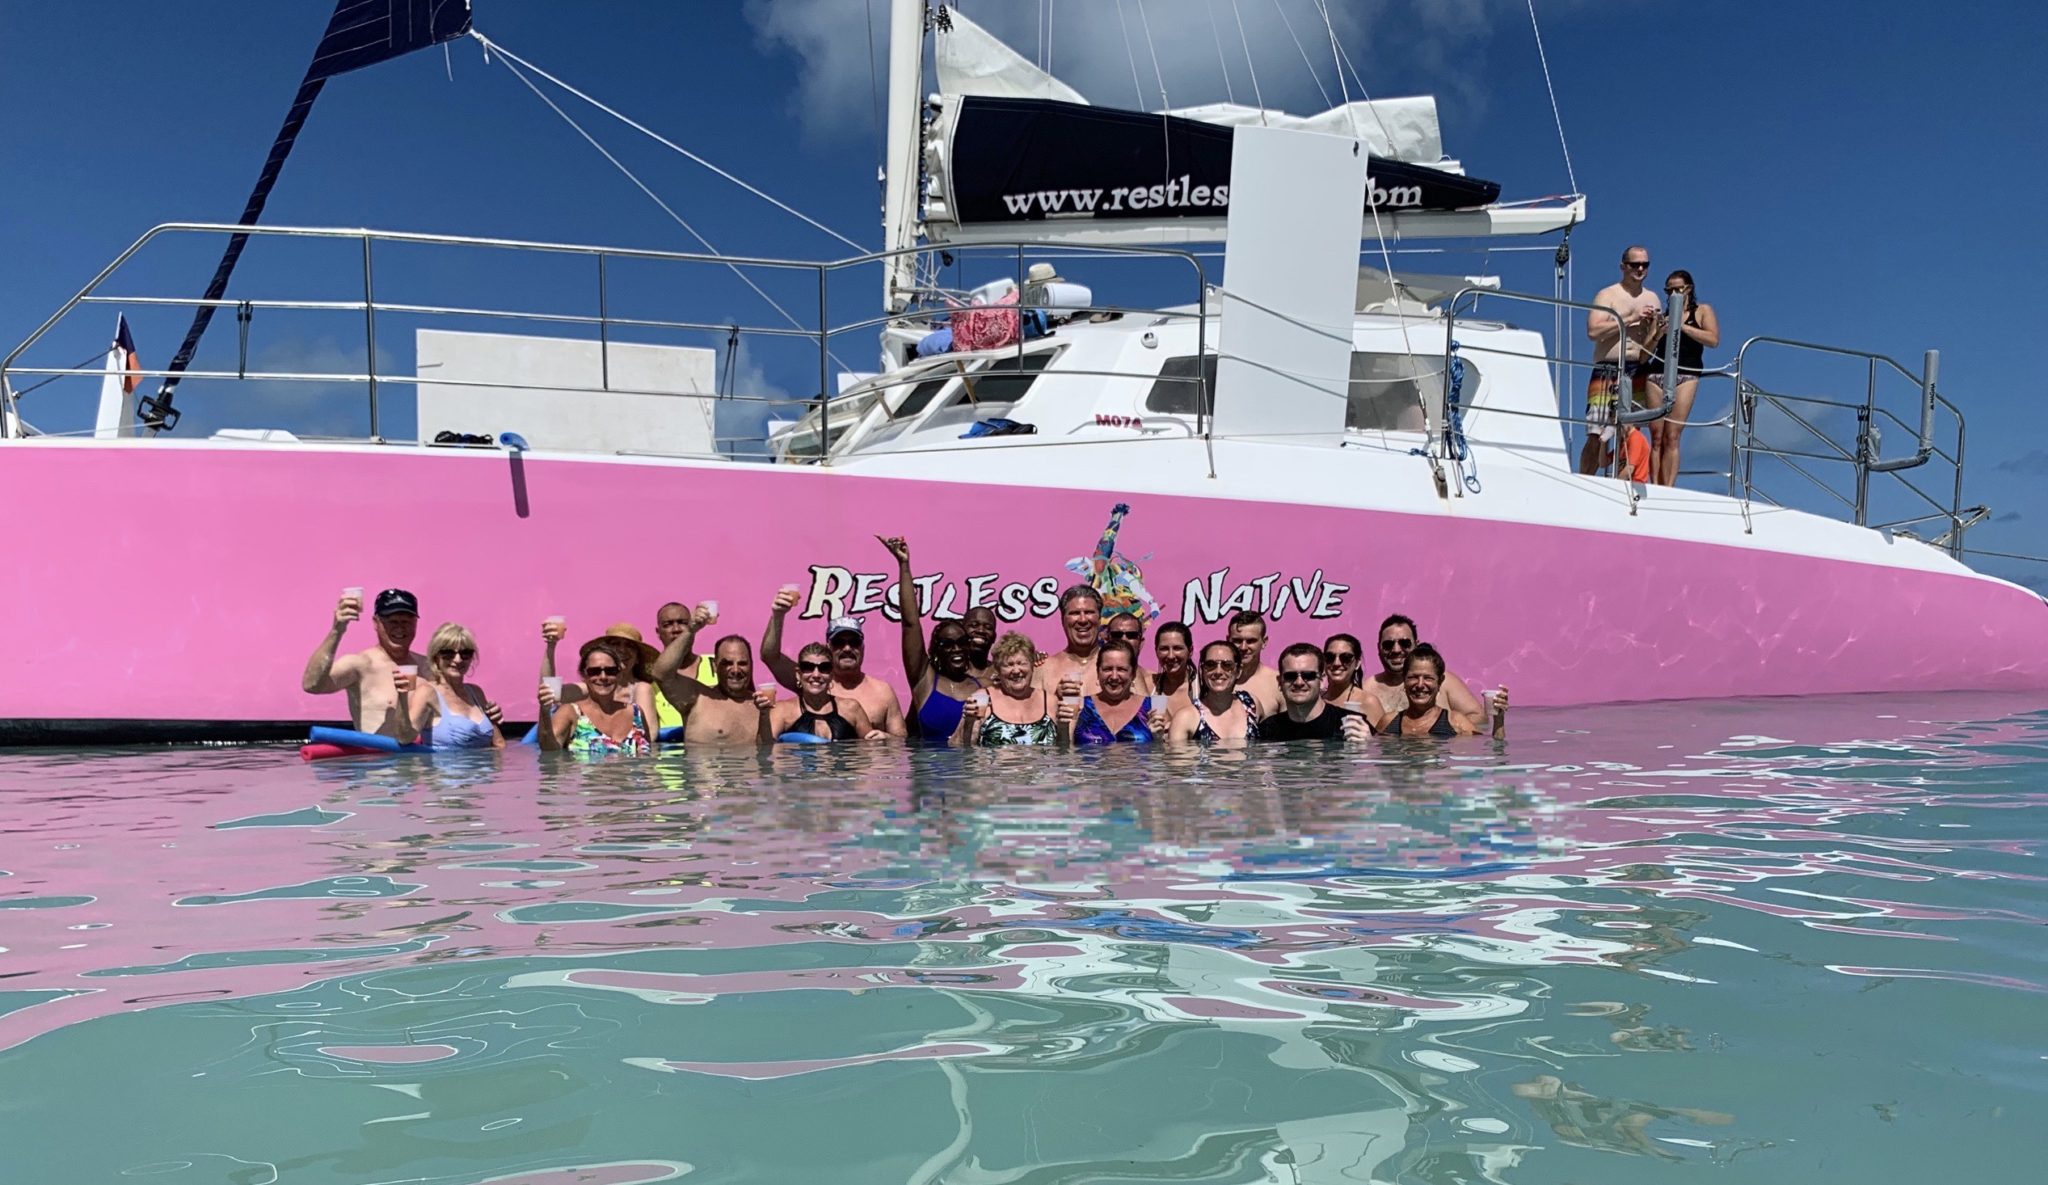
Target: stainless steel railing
[{"x": 820, "y": 332}]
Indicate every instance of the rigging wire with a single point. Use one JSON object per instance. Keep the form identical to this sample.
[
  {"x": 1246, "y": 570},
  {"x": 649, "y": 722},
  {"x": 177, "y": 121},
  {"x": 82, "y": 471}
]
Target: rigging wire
[
  {"x": 658, "y": 138},
  {"x": 875, "y": 86},
  {"x": 1303, "y": 50},
  {"x": 1145, "y": 22},
  {"x": 1137, "y": 88},
  {"x": 1249, "y": 68},
  {"x": 1216, "y": 35},
  {"x": 1554, "y": 113},
  {"x": 656, "y": 199}
]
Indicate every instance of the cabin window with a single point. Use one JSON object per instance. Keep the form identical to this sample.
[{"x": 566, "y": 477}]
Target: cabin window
[
  {"x": 1176, "y": 392},
  {"x": 920, "y": 397},
  {"x": 989, "y": 390},
  {"x": 1389, "y": 392}
]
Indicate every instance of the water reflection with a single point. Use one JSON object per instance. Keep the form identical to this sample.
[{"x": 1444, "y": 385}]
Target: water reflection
[{"x": 1666, "y": 935}]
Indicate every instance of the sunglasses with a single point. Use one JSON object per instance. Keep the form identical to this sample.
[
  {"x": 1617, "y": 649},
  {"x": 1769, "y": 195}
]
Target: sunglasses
[
  {"x": 1300, "y": 676},
  {"x": 458, "y": 652},
  {"x": 1219, "y": 664},
  {"x": 600, "y": 672},
  {"x": 1675, "y": 291},
  {"x": 1125, "y": 635},
  {"x": 1634, "y": 264},
  {"x": 1339, "y": 656},
  {"x": 813, "y": 668},
  {"x": 1397, "y": 644}
]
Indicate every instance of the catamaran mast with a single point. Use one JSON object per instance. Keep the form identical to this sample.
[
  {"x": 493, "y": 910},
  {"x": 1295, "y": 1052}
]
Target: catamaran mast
[{"x": 903, "y": 168}]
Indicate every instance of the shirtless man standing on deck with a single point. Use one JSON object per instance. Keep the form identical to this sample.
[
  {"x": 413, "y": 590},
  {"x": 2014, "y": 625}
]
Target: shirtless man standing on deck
[
  {"x": 734, "y": 711},
  {"x": 1621, "y": 351},
  {"x": 376, "y": 691}
]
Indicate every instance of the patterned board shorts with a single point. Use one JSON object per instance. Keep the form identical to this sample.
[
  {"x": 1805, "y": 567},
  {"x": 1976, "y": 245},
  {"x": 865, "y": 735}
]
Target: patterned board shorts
[{"x": 1605, "y": 384}]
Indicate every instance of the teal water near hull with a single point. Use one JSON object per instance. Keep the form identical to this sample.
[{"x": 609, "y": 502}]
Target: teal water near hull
[{"x": 1776, "y": 940}]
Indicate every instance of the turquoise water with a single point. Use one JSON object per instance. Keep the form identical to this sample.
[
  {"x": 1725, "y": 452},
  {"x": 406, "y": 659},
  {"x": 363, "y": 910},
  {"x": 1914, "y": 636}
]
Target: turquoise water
[{"x": 1799, "y": 941}]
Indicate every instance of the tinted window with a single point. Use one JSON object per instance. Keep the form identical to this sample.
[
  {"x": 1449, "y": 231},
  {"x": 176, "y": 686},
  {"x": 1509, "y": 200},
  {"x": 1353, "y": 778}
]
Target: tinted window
[
  {"x": 1388, "y": 392},
  {"x": 1002, "y": 381},
  {"x": 1176, "y": 392},
  {"x": 920, "y": 397}
]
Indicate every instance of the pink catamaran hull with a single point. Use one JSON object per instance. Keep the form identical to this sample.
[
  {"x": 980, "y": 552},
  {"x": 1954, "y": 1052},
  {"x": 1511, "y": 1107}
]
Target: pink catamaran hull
[{"x": 168, "y": 590}]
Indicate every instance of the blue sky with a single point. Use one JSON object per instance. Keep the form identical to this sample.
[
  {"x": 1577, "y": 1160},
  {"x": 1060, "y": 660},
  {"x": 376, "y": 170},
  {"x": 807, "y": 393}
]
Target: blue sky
[{"x": 1862, "y": 174}]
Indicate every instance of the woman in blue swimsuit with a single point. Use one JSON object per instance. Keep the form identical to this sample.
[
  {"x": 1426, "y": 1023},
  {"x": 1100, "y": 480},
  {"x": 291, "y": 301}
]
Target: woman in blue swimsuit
[
  {"x": 449, "y": 711},
  {"x": 940, "y": 681},
  {"x": 1113, "y": 715}
]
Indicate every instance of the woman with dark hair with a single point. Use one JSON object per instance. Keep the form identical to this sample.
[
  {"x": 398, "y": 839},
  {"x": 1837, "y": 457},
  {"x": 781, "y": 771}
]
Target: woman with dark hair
[
  {"x": 1698, "y": 333},
  {"x": 1343, "y": 674},
  {"x": 1217, "y": 715},
  {"x": 1173, "y": 646},
  {"x": 941, "y": 679},
  {"x": 1422, "y": 678},
  {"x": 616, "y": 715},
  {"x": 816, "y": 711},
  {"x": 1114, "y": 714}
]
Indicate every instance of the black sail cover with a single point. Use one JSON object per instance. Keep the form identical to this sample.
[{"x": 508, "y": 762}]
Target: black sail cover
[
  {"x": 1026, "y": 160},
  {"x": 360, "y": 33}
]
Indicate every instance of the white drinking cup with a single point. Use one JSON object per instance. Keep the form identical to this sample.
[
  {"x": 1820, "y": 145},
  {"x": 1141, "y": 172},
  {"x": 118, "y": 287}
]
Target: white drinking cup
[{"x": 554, "y": 685}]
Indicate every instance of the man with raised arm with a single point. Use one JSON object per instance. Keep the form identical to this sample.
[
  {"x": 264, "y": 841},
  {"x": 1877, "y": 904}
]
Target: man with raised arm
[
  {"x": 1398, "y": 639},
  {"x": 1620, "y": 349},
  {"x": 1081, "y": 620},
  {"x": 847, "y": 640},
  {"x": 1257, "y": 683},
  {"x": 732, "y": 712},
  {"x": 377, "y": 693},
  {"x": 1304, "y": 714}
]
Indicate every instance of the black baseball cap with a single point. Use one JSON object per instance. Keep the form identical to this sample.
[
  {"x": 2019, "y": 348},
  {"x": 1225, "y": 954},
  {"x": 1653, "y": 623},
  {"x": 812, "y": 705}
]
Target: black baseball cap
[{"x": 397, "y": 600}]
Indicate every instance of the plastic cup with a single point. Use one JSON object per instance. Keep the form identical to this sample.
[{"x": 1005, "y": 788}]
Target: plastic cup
[
  {"x": 409, "y": 670},
  {"x": 710, "y": 607},
  {"x": 354, "y": 592},
  {"x": 792, "y": 588},
  {"x": 556, "y": 620},
  {"x": 979, "y": 697},
  {"x": 554, "y": 685}
]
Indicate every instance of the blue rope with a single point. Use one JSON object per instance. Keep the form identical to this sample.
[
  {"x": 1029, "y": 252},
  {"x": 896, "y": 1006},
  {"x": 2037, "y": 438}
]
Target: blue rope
[{"x": 1461, "y": 454}]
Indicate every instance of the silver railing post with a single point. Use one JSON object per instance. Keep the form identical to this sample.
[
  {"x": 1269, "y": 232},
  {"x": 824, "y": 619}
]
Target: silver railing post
[
  {"x": 1866, "y": 445},
  {"x": 370, "y": 339},
  {"x": 604, "y": 328},
  {"x": 824, "y": 374},
  {"x": 1955, "y": 547}
]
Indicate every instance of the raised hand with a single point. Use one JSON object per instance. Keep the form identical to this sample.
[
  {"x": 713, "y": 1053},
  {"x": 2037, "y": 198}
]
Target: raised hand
[
  {"x": 1068, "y": 711},
  {"x": 552, "y": 631},
  {"x": 785, "y": 600},
  {"x": 346, "y": 610},
  {"x": 764, "y": 698},
  {"x": 404, "y": 683},
  {"x": 898, "y": 546},
  {"x": 1354, "y": 727}
]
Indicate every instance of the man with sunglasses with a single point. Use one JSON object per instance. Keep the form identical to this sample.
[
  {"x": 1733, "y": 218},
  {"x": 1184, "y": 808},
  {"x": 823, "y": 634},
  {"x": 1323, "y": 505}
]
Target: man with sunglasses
[
  {"x": 847, "y": 640},
  {"x": 1619, "y": 348},
  {"x": 371, "y": 678},
  {"x": 1304, "y": 714},
  {"x": 732, "y": 712},
  {"x": 1390, "y": 683}
]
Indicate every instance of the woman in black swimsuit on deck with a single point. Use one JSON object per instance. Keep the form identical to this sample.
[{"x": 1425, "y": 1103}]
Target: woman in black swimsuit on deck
[{"x": 1700, "y": 332}]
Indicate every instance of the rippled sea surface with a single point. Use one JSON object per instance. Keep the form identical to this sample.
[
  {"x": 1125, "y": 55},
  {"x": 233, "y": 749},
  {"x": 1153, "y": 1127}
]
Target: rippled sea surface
[{"x": 1777, "y": 941}]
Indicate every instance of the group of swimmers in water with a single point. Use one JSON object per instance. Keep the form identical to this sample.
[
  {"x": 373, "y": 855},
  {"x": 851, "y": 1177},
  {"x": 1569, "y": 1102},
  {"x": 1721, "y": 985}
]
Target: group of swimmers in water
[{"x": 970, "y": 684}]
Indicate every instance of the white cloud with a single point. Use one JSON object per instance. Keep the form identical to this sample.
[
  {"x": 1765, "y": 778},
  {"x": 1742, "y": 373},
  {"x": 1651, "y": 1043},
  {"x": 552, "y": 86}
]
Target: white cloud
[{"x": 1396, "y": 46}]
